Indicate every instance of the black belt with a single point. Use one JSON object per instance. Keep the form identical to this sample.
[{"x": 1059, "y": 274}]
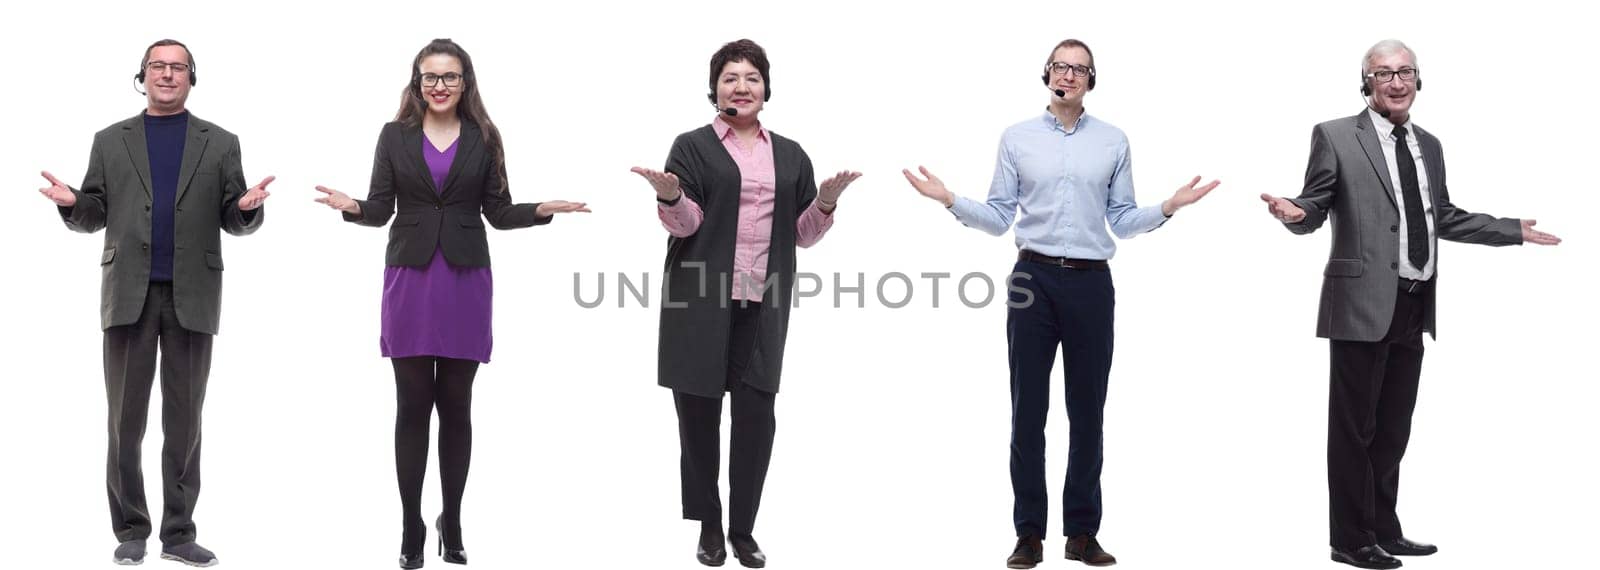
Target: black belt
[
  {"x": 1067, "y": 262},
  {"x": 1413, "y": 286}
]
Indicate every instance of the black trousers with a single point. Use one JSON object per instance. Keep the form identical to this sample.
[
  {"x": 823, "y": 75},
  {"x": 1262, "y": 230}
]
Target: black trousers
[
  {"x": 1072, "y": 310},
  {"x": 423, "y": 384},
  {"x": 1371, "y": 395},
  {"x": 750, "y": 445},
  {"x": 130, "y": 367}
]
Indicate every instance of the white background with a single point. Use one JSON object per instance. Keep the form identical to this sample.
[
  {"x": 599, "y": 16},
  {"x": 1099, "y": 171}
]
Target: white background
[{"x": 893, "y": 423}]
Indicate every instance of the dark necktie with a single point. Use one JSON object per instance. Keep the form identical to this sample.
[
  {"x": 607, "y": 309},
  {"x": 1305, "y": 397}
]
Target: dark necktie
[{"x": 1411, "y": 193}]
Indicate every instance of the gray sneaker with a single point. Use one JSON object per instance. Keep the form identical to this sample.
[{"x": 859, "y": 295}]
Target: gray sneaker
[
  {"x": 130, "y": 553},
  {"x": 189, "y": 553}
]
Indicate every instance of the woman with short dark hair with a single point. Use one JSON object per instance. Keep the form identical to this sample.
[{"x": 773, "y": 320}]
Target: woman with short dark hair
[{"x": 737, "y": 200}]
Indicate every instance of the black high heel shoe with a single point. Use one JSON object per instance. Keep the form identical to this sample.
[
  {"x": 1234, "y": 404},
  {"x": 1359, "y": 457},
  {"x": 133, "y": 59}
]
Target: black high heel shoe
[
  {"x": 411, "y": 561},
  {"x": 450, "y": 555},
  {"x": 411, "y": 546}
]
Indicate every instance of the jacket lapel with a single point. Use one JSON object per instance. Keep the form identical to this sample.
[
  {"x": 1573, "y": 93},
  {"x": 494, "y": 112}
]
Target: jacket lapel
[
  {"x": 133, "y": 139},
  {"x": 466, "y": 143},
  {"x": 193, "y": 149},
  {"x": 411, "y": 137},
  {"x": 1433, "y": 161},
  {"x": 1367, "y": 135}
]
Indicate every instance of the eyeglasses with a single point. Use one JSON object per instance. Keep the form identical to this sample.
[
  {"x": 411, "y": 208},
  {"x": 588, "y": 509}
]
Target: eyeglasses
[
  {"x": 1385, "y": 75},
  {"x": 158, "y": 67},
  {"x": 451, "y": 79},
  {"x": 1062, "y": 67}
]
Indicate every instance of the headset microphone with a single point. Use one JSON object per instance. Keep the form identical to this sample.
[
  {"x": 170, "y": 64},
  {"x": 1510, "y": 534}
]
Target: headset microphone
[{"x": 729, "y": 111}]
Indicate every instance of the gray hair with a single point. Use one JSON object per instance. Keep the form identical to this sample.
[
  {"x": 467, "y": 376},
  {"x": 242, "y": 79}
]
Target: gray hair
[{"x": 1385, "y": 48}]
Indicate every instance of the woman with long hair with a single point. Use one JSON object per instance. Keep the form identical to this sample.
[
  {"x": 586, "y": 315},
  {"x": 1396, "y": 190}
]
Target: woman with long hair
[{"x": 439, "y": 172}]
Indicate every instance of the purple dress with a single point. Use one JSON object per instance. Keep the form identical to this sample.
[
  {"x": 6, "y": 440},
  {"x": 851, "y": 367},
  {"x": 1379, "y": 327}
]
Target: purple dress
[{"x": 437, "y": 310}]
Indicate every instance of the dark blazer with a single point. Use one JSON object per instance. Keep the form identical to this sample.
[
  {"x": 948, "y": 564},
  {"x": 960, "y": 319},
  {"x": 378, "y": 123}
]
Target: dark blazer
[
  {"x": 426, "y": 219},
  {"x": 116, "y": 196},
  {"x": 695, "y": 314},
  {"x": 1348, "y": 178}
]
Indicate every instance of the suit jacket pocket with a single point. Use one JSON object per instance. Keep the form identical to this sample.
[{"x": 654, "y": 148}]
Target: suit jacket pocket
[
  {"x": 471, "y": 221},
  {"x": 1343, "y": 268},
  {"x": 109, "y": 254},
  {"x": 214, "y": 260},
  {"x": 403, "y": 220}
]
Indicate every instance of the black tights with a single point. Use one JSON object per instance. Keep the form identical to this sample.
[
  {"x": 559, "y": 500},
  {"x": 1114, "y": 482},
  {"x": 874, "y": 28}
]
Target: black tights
[{"x": 423, "y": 383}]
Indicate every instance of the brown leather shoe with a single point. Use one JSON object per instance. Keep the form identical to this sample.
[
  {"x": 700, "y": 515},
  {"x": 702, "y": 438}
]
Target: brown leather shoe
[
  {"x": 1086, "y": 549},
  {"x": 1028, "y": 553}
]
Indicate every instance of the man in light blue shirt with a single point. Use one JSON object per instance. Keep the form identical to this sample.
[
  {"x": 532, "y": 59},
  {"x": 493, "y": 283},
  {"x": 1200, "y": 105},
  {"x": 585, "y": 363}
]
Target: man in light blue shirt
[{"x": 1070, "y": 175}]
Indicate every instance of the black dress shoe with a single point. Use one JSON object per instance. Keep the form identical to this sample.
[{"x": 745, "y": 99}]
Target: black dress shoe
[
  {"x": 411, "y": 561},
  {"x": 747, "y": 551},
  {"x": 1403, "y": 546},
  {"x": 1084, "y": 548},
  {"x": 1367, "y": 557},
  {"x": 455, "y": 554},
  {"x": 711, "y": 551},
  {"x": 1028, "y": 553}
]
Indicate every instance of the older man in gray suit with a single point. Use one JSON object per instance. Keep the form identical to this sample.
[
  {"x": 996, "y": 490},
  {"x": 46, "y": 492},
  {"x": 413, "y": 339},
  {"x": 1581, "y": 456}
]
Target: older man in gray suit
[
  {"x": 163, "y": 184},
  {"x": 1382, "y": 180}
]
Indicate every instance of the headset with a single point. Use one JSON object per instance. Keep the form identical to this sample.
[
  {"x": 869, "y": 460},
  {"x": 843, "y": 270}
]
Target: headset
[
  {"x": 766, "y": 95},
  {"x": 1366, "y": 88},
  {"x": 1092, "y": 73},
  {"x": 139, "y": 77}
]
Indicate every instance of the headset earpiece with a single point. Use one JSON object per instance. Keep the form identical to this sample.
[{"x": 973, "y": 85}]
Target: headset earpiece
[{"x": 1046, "y": 79}]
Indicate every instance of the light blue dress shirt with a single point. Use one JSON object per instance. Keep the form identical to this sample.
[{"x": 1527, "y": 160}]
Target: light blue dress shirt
[{"x": 1069, "y": 184}]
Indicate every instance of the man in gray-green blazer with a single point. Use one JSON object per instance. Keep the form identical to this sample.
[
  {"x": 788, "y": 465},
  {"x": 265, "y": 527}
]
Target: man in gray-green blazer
[
  {"x": 162, "y": 184},
  {"x": 1380, "y": 180}
]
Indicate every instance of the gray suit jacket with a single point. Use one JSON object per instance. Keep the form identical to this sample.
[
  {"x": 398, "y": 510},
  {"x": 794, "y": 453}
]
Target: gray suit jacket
[
  {"x": 1348, "y": 180},
  {"x": 116, "y": 196}
]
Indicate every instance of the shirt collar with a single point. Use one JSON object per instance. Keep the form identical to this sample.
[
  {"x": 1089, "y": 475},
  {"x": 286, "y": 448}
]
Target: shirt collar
[
  {"x": 1386, "y": 128},
  {"x": 1051, "y": 121},
  {"x": 724, "y": 130}
]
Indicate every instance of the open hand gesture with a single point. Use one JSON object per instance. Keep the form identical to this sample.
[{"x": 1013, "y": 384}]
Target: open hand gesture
[
  {"x": 257, "y": 194},
  {"x": 58, "y": 192}
]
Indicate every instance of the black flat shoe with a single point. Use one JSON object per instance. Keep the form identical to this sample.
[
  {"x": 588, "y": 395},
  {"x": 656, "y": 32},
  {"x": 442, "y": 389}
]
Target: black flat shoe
[
  {"x": 1403, "y": 546},
  {"x": 710, "y": 551},
  {"x": 747, "y": 551},
  {"x": 1372, "y": 557},
  {"x": 714, "y": 557},
  {"x": 456, "y": 555}
]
